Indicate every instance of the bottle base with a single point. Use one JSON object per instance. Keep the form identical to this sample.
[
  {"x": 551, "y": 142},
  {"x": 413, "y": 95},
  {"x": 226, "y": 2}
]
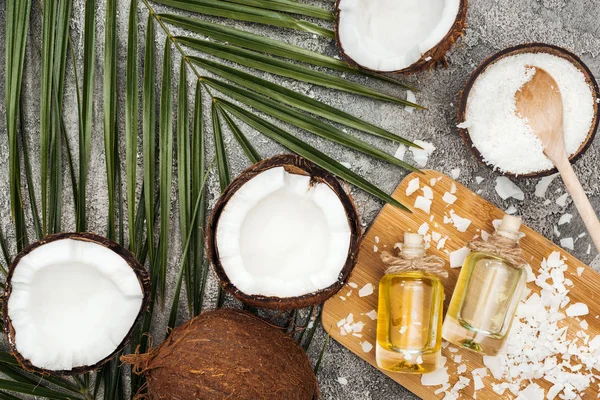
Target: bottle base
[
  {"x": 471, "y": 340},
  {"x": 408, "y": 362}
]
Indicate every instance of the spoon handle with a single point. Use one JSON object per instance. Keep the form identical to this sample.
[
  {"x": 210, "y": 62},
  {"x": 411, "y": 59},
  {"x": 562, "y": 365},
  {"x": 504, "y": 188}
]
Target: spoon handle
[{"x": 586, "y": 211}]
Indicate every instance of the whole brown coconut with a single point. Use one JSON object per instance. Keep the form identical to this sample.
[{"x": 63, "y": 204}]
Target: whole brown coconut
[
  {"x": 226, "y": 354},
  {"x": 430, "y": 59}
]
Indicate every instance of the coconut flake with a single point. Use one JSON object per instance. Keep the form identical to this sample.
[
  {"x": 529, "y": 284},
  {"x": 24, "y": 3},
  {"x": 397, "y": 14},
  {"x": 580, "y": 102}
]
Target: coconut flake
[
  {"x": 372, "y": 314},
  {"x": 437, "y": 377},
  {"x": 342, "y": 380},
  {"x": 507, "y": 189},
  {"x": 449, "y": 198},
  {"x": 427, "y": 192},
  {"x": 565, "y": 219},
  {"x": 542, "y": 186},
  {"x": 455, "y": 173},
  {"x": 366, "y": 346},
  {"x": 423, "y": 229},
  {"x": 366, "y": 290},
  {"x": 413, "y": 186},
  {"x": 567, "y": 243},
  {"x": 479, "y": 179},
  {"x": 457, "y": 258},
  {"x": 421, "y": 156},
  {"x": 410, "y": 96},
  {"x": 423, "y": 203},
  {"x": 577, "y": 310},
  {"x": 562, "y": 200},
  {"x": 400, "y": 152}
]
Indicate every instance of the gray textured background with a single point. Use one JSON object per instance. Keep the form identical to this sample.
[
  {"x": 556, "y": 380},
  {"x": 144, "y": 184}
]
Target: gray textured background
[{"x": 492, "y": 26}]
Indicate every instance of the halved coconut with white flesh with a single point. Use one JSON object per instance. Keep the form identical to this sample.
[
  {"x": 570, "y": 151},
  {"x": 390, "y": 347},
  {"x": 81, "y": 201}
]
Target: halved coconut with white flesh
[
  {"x": 284, "y": 234},
  {"x": 398, "y": 35},
  {"x": 71, "y": 301}
]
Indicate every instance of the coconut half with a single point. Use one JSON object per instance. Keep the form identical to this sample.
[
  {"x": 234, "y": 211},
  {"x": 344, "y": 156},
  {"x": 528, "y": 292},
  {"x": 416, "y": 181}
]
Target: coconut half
[
  {"x": 71, "y": 301},
  {"x": 398, "y": 36},
  {"x": 284, "y": 234}
]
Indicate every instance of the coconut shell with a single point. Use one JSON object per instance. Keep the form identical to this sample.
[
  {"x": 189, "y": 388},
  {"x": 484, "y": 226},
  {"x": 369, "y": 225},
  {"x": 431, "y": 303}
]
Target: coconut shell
[
  {"x": 226, "y": 354},
  {"x": 129, "y": 258},
  {"x": 430, "y": 59},
  {"x": 297, "y": 165},
  {"x": 520, "y": 49}
]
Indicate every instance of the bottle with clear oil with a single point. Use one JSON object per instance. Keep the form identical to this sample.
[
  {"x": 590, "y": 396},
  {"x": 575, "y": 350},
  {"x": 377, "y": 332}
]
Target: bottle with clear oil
[
  {"x": 488, "y": 291},
  {"x": 410, "y": 310}
]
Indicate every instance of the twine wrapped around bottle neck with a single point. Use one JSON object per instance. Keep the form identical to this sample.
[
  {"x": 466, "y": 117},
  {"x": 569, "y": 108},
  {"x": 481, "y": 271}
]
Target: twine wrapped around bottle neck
[
  {"x": 502, "y": 247},
  {"x": 403, "y": 263}
]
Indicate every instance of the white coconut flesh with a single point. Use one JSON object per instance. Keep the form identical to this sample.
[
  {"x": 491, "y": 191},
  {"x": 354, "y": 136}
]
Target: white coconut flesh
[
  {"x": 72, "y": 304},
  {"x": 280, "y": 236},
  {"x": 390, "y": 35}
]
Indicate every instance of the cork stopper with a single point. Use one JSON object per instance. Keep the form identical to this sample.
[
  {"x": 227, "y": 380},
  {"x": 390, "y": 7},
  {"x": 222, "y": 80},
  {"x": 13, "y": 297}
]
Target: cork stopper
[
  {"x": 509, "y": 227},
  {"x": 413, "y": 244}
]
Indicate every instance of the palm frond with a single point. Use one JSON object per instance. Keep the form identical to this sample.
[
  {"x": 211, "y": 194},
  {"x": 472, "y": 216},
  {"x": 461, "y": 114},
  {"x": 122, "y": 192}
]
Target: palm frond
[
  {"x": 242, "y": 140},
  {"x": 87, "y": 102},
  {"x": 295, "y": 99},
  {"x": 165, "y": 164},
  {"x": 184, "y": 171},
  {"x": 197, "y": 226},
  {"x": 131, "y": 120},
  {"x": 308, "y": 152},
  {"x": 50, "y": 9},
  {"x": 217, "y": 8},
  {"x": 110, "y": 108},
  {"x": 149, "y": 139},
  {"x": 252, "y": 41},
  {"x": 16, "y": 28},
  {"x": 303, "y": 121},
  {"x": 292, "y": 7},
  {"x": 253, "y": 59}
]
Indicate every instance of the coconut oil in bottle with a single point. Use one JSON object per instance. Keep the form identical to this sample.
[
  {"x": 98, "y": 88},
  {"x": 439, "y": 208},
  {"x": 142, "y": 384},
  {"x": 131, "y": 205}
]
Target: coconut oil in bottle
[
  {"x": 487, "y": 294},
  {"x": 410, "y": 314}
]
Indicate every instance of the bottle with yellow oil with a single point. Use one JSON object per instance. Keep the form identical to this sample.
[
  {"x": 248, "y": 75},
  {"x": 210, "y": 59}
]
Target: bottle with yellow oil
[
  {"x": 488, "y": 291},
  {"x": 410, "y": 312}
]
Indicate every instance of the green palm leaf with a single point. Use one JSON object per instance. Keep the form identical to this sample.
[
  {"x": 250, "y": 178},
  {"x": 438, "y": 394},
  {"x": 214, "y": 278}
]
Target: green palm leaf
[
  {"x": 184, "y": 171},
  {"x": 17, "y": 26},
  {"x": 110, "y": 108},
  {"x": 242, "y": 140},
  {"x": 303, "y": 121},
  {"x": 252, "y": 41},
  {"x": 165, "y": 164},
  {"x": 294, "y": 99},
  {"x": 35, "y": 390},
  {"x": 87, "y": 101},
  {"x": 218, "y": 8},
  {"x": 308, "y": 152},
  {"x": 200, "y": 271},
  {"x": 131, "y": 120},
  {"x": 50, "y": 9},
  {"x": 275, "y": 66},
  {"x": 292, "y": 7}
]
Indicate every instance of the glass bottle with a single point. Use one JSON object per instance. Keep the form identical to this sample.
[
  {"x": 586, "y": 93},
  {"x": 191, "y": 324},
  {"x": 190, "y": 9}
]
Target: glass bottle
[
  {"x": 486, "y": 297},
  {"x": 410, "y": 315}
]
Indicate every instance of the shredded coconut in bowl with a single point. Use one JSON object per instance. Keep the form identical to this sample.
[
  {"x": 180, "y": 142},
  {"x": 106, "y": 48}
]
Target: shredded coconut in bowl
[{"x": 505, "y": 140}]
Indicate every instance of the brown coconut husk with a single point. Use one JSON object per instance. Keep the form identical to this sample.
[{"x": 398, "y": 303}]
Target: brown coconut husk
[
  {"x": 297, "y": 165},
  {"x": 434, "y": 57},
  {"x": 226, "y": 354},
  {"x": 129, "y": 258},
  {"x": 520, "y": 49}
]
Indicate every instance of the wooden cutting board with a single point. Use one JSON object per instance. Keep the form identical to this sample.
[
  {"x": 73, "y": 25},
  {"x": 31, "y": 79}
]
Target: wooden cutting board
[{"x": 388, "y": 229}]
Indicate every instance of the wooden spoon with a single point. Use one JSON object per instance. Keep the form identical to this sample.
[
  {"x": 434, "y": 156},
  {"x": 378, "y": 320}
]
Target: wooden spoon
[{"x": 540, "y": 102}]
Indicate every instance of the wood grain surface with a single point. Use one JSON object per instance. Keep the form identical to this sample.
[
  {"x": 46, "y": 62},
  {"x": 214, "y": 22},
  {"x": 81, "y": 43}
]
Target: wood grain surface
[{"x": 388, "y": 229}]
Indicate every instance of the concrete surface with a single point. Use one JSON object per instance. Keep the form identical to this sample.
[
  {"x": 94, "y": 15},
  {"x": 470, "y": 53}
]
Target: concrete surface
[{"x": 493, "y": 25}]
